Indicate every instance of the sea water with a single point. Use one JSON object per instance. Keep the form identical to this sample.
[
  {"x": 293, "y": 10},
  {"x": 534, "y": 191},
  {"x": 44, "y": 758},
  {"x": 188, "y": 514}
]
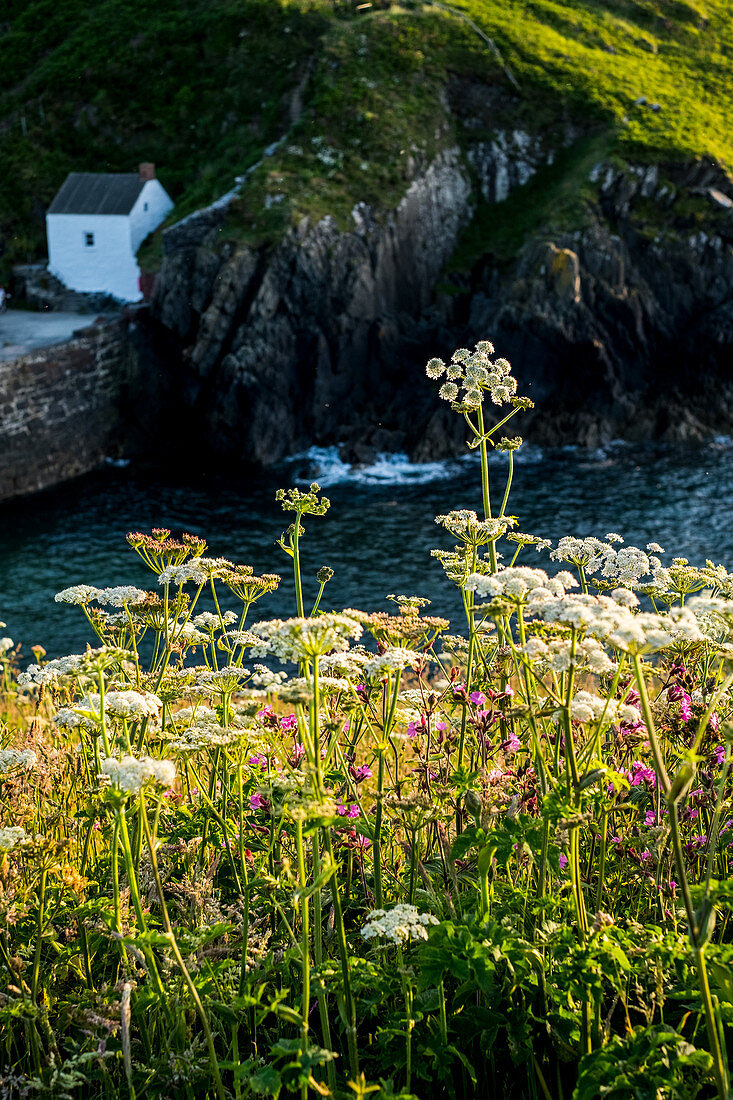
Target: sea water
[{"x": 377, "y": 536}]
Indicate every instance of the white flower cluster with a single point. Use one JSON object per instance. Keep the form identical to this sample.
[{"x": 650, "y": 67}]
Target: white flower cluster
[
  {"x": 617, "y": 624},
  {"x": 6, "y": 644},
  {"x": 519, "y": 583},
  {"x": 587, "y": 707},
  {"x": 300, "y": 690},
  {"x": 131, "y": 704},
  {"x": 207, "y": 620},
  {"x": 393, "y": 659},
  {"x": 82, "y": 594},
  {"x": 120, "y": 596},
  {"x": 296, "y": 639},
  {"x": 12, "y": 760},
  {"x": 465, "y": 525},
  {"x": 399, "y": 924},
  {"x": 117, "y": 704},
  {"x": 131, "y": 774},
  {"x": 11, "y": 837},
  {"x": 560, "y": 656},
  {"x": 475, "y": 372},
  {"x": 205, "y": 735},
  {"x": 72, "y": 665},
  {"x": 52, "y": 670},
  {"x": 78, "y": 594},
  {"x": 198, "y": 570},
  {"x": 626, "y": 566}
]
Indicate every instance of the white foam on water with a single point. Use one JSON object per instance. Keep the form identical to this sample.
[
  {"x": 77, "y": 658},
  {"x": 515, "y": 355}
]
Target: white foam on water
[{"x": 328, "y": 468}]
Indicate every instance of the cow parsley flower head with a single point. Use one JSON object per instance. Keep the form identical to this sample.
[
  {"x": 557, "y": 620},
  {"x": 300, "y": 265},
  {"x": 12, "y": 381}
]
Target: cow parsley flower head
[
  {"x": 17, "y": 760},
  {"x": 197, "y": 570},
  {"x": 120, "y": 596},
  {"x": 78, "y": 594},
  {"x": 131, "y": 774},
  {"x": 11, "y": 837},
  {"x": 435, "y": 368},
  {"x": 294, "y": 639},
  {"x": 399, "y": 924}
]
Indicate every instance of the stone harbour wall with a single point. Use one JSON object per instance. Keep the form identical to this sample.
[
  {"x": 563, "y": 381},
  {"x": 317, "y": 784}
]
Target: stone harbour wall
[{"x": 63, "y": 408}]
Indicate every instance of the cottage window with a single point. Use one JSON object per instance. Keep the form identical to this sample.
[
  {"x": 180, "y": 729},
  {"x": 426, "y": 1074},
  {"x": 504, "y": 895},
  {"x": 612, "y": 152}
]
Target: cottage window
[{"x": 89, "y": 240}]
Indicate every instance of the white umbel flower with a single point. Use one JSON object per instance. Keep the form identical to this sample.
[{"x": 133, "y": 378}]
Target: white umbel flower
[
  {"x": 12, "y": 760},
  {"x": 131, "y": 774},
  {"x": 400, "y": 924},
  {"x": 11, "y": 837}
]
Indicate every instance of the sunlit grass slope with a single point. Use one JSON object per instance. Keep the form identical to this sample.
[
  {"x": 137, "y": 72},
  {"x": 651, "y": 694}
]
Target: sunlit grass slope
[{"x": 203, "y": 88}]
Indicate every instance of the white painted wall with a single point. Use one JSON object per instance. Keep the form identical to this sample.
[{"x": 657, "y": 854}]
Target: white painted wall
[
  {"x": 143, "y": 221},
  {"x": 109, "y": 265}
]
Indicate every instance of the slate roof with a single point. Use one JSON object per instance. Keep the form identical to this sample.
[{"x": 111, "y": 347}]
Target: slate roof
[{"x": 97, "y": 193}]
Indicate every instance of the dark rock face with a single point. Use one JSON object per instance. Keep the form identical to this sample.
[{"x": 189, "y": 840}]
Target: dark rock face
[
  {"x": 620, "y": 334},
  {"x": 615, "y": 330}
]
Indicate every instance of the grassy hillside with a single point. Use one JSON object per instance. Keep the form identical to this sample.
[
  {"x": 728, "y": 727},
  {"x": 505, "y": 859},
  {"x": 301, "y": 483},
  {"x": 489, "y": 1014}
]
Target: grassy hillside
[{"x": 201, "y": 88}]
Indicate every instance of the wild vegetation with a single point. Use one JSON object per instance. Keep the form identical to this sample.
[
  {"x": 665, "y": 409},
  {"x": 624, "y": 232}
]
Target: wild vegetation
[
  {"x": 204, "y": 89},
  {"x": 355, "y": 854}
]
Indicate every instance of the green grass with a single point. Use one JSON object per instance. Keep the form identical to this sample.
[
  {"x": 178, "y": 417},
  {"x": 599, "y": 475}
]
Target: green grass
[{"x": 202, "y": 88}]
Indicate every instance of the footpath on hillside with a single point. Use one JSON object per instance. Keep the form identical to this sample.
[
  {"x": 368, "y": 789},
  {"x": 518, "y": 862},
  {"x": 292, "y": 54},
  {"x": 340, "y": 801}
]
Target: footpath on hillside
[{"x": 22, "y": 331}]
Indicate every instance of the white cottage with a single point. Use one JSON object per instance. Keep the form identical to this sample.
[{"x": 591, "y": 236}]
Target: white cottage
[{"x": 96, "y": 224}]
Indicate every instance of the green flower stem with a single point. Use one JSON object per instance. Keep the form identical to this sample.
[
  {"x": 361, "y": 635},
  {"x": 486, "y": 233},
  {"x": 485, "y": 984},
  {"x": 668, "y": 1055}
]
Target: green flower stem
[
  {"x": 39, "y": 935},
  {"x": 510, "y": 476},
  {"x": 377, "y": 842},
  {"x": 409, "y": 1022},
  {"x": 485, "y": 488},
  {"x": 304, "y": 944},
  {"x": 137, "y": 905},
  {"x": 213, "y": 1060},
  {"x": 296, "y": 567},
  {"x": 349, "y": 1002},
  {"x": 697, "y": 941},
  {"x": 225, "y": 832}
]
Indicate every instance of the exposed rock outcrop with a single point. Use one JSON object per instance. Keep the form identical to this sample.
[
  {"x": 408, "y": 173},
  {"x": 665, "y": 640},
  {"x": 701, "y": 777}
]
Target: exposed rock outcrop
[{"x": 621, "y": 328}]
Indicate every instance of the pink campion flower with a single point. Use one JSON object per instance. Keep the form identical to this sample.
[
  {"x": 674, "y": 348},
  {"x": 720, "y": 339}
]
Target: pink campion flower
[
  {"x": 362, "y": 772},
  {"x": 266, "y": 712},
  {"x": 686, "y": 708},
  {"x": 258, "y": 761},
  {"x": 639, "y": 773},
  {"x": 412, "y": 730},
  {"x": 513, "y": 744},
  {"x": 563, "y": 861},
  {"x": 714, "y": 722},
  {"x": 344, "y": 811},
  {"x": 440, "y": 726},
  {"x": 478, "y": 698},
  {"x": 362, "y": 841},
  {"x": 288, "y": 722},
  {"x": 257, "y": 802},
  {"x": 298, "y": 752},
  {"x": 346, "y": 726},
  {"x": 361, "y": 688},
  {"x": 650, "y": 817},
  {"x": 458, "y": 688}
]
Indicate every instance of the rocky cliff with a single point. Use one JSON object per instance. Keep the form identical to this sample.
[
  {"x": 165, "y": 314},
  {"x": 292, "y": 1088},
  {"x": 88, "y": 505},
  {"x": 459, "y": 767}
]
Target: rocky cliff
[{"x": 621, "y": 325}]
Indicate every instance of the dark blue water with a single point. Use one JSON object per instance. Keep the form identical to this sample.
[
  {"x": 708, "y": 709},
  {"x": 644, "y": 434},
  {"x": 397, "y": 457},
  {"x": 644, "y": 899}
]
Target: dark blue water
[{"x": 377, "y": 535}]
